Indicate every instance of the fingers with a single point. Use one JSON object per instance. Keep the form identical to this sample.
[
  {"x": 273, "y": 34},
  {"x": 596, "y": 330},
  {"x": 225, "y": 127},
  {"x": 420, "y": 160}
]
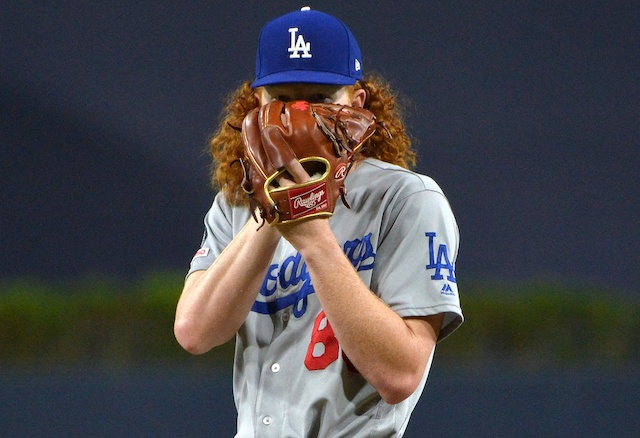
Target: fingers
[
  {"x": 296, "y": 170},
  {"x": 292, "y": 173}
]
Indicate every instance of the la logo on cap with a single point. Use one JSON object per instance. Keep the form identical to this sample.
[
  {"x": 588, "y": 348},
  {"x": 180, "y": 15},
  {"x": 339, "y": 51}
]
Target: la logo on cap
[
  {"x": 298, "y": 45},
  {"x": 307, "y": 46}
]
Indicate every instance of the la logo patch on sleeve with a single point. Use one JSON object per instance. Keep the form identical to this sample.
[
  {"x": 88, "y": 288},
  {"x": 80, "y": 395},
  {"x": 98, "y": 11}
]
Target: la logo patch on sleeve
[{"x": 440, "y": 261}]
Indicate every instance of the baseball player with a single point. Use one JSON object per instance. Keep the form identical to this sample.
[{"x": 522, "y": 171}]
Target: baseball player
[{"x": 336, "y": 316}]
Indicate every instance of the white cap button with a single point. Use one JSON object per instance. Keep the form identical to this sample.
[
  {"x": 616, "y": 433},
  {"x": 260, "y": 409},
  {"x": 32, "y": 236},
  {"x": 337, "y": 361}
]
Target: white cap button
[
  {"x": 275, "y": 367},
  {"x": 267, "y": 420}
]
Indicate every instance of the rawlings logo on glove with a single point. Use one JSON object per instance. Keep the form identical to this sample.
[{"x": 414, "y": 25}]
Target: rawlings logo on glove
[{"x": 297, "y": 156}]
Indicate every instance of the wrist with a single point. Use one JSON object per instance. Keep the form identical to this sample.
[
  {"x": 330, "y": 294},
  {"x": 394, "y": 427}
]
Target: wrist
[
  {"x": 263, "y": 236},
  {"x": 309, "y": 237}
]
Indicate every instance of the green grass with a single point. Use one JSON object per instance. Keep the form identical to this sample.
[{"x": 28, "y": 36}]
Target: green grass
[{"x": 102, "y": 322}]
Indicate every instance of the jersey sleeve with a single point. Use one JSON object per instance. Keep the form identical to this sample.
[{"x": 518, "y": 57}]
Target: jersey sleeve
[
  {"x": 218, "y": 233},
  {"x": 414, "y": 269}
]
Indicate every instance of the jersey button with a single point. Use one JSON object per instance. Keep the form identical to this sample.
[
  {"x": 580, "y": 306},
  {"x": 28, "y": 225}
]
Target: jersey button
[
  {"x": 267, "y": 420},
  {"x": 275, "y": 367},
  {"x": 285, "y": 316}
]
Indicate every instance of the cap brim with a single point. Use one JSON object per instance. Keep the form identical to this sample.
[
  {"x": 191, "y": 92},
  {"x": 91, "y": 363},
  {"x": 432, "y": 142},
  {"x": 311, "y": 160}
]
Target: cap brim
[{"x": 304, "y": 76}]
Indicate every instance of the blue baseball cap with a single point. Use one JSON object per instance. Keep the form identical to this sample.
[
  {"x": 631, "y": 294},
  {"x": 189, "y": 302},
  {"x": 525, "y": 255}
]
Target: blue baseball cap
[{"x": 307, "y": 46}]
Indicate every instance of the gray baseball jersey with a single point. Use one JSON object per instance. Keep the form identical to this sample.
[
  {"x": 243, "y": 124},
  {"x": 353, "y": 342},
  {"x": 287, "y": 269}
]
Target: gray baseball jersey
[{"x": 291, "y": 378}]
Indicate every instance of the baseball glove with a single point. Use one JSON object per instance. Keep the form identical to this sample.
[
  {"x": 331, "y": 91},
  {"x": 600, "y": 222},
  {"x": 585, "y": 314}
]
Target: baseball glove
[{"x": 323, "y": 138}]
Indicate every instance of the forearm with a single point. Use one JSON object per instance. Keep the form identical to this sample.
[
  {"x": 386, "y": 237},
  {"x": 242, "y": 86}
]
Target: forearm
[
  {"x": 214, "y": 303},
  {"x": 390, "y": 352}
]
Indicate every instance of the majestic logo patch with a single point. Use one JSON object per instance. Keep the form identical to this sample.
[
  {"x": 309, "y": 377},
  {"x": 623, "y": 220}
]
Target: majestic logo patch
[
  {"x": 298, "y": 45},
  {"x": 308, "y": 200},
  {"x": 447, "y": 290}
]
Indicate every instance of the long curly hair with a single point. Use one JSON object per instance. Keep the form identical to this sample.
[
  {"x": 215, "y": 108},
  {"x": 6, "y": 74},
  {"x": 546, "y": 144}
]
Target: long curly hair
[{"x": 390, "y": 142}]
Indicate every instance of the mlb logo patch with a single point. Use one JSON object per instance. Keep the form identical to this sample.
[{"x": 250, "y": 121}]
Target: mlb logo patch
[{"x": 202, "y": 252}]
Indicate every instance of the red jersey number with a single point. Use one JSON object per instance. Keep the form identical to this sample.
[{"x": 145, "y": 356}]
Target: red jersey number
[{"x": 323, "y": 348}]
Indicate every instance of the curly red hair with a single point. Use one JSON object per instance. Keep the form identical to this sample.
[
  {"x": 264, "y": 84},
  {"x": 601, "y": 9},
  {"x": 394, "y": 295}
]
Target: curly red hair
[{"x": 226, "y": 145}]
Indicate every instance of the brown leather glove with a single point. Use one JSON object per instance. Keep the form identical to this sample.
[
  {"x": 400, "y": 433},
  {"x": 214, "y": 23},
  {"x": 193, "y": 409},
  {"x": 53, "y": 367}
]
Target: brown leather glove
[{"x": 322, "y": 138}]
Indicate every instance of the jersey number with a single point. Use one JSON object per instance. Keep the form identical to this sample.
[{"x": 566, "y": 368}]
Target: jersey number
[{"x": 324, "y": 348}]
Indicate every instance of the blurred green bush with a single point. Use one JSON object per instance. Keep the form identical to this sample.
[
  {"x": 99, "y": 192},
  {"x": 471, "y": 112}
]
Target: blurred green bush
[
  {"x": 103, "y": 322},
  {"x": 94, "y": 321},
  {"x": 541, "y": 324}
]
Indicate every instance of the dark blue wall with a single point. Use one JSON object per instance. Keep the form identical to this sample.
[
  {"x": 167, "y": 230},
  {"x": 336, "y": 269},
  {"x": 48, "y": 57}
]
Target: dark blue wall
[
  {"x": 527, "y": 114},
  {"x": 457, "y": 402}
]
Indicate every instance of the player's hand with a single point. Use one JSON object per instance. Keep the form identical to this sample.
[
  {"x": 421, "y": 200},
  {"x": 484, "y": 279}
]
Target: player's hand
[{"x": 295, "y": 174}]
